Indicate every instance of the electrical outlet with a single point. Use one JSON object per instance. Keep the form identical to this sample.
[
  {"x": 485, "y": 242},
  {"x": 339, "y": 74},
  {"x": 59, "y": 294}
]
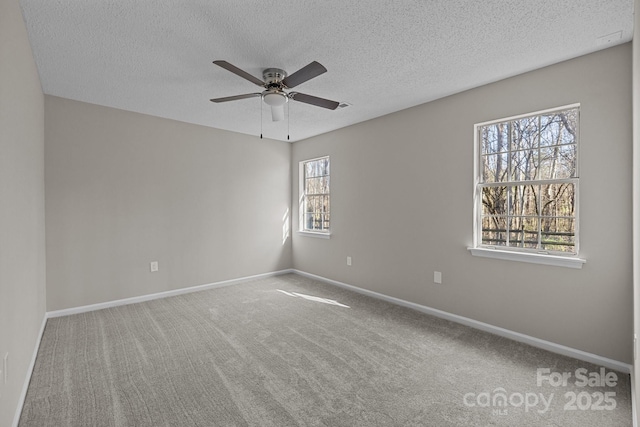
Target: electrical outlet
[
  {"x": 349, "y": 261},
  {"x": 153, "y": 265},
  {"x": 437, "y": 277}
]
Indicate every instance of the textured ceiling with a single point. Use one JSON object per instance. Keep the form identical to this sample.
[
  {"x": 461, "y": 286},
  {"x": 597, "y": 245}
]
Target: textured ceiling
[{"x": 155, "y": 57}]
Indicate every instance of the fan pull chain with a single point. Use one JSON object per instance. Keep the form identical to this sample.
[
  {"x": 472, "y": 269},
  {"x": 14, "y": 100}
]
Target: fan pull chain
[
  {"x": 288, "y": 121},
  {"x": 261, "y": 117}
]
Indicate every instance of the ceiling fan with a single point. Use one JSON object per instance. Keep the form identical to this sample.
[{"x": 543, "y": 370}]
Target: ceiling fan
[{"x": 276, "y": 83}]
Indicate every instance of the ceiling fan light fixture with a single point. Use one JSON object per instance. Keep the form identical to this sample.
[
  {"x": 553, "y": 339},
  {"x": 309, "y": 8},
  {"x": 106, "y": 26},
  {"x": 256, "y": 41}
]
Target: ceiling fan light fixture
[{"x": 275, "y": 99}]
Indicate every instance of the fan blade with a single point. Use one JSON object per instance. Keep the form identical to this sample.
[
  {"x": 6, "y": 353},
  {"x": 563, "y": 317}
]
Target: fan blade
[
  {"x": 314, "y": 100},
  {"x": 303, "y": 74},
  {"x": 239, "y": 72},
  {"x": 277, "y": 113},
  {"x": 236, "y": 97}
]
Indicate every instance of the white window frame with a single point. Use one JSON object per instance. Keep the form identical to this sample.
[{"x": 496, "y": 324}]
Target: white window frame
[
  {"x": 302, "y": 201},
  {"x": 511, "y": 253}
]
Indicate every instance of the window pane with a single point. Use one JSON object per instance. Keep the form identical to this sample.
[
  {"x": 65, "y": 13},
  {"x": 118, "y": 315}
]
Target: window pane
[
  {"x": 309, "y": 169},
  {"x": 323, "y": 213},
  {"x": 311, "y": 205},
  {"x": 313, "y": 212},
  {"x": 523, "y": 200},
  {"x": 524, "y": 134},
  {"x": 494, "y": 138},
  {"x": 523, "y": 232},
  {"x": 318, "y": 185},
  {"x": 570, "y": 121},
  {"x": 558, "y": 162},
  {"x": 524, "y": 165},
  {"x": 494, "y": 231},
  {"x": 550, "y": 130},
  {"x": 317, "y": 213},
  {"x": 558, "y": 234},
  {"x": 494, "y": 167},
  {"x": 559, "y": 128},
  {"x": 558, "y": 199},
  {"x": 316, "y": 168},
  {"x": 325, "y": 204},
  {"x": 310, "y": 185},
  {"x": 494, "y": 201}
]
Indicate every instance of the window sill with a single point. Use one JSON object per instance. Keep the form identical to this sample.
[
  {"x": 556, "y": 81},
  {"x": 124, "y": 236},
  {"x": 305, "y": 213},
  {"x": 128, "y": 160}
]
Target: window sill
[
  {"x": 558, "y": 261},
  {"x": 316, "y": 235}
]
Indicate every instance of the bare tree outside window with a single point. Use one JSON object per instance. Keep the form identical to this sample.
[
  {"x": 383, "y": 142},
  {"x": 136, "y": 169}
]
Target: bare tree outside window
[{"x": 528, "y": 182}]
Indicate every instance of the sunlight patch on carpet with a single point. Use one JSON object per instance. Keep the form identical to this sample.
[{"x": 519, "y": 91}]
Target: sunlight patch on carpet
[{"x": 312, "y": 298}]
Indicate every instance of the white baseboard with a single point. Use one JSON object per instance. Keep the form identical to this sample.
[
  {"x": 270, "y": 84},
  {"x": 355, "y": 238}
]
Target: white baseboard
[
  {"x": 496, "y": 330},
  {"x": 27, "y": 380},
  {"x": 165, "y": 294}
]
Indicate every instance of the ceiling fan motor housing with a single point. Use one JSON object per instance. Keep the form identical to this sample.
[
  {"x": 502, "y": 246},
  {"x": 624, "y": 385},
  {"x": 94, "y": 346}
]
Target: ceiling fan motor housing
[{"x": 274, "y": 76}]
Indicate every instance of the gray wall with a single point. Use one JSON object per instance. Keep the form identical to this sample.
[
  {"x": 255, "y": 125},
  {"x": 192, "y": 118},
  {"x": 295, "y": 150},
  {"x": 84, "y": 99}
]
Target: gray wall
[
  {"x": 124, "y": 189},
  {"x": 636, "y": 206},
  {"x": 402, "y": 194},
  {"x": 22, "y": 254}
]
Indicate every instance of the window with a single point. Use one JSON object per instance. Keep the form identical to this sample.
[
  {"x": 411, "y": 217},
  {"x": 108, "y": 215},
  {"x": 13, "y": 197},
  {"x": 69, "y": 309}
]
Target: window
[
  {"x": 527, "y": 183},
  {"x": 315, "y": 200}
]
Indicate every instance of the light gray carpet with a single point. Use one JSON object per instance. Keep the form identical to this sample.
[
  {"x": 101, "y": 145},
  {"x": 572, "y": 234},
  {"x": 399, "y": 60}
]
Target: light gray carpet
[{"x": 252, "y": 355}]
